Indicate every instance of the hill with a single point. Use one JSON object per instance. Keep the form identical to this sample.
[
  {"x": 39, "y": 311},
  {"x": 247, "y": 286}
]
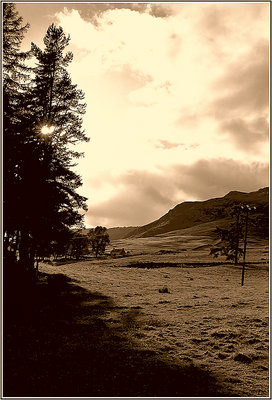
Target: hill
[
  {"x": 192, "y": 213},
  {"x": 120, "y": 232}
]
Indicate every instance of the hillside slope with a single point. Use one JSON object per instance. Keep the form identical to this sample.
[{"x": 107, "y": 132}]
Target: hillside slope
[
  {"x": 120, "y": 232},
  {"x": 192, "y": 213}
]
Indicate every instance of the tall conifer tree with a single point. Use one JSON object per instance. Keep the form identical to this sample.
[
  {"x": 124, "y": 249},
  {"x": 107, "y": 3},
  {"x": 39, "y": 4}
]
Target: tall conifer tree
[
  {"x": 40, "y": 187},
  {"x": 50, "y": 198},
  {"x": 58, "y": 102},
  {"x": 15, "y": 77}
]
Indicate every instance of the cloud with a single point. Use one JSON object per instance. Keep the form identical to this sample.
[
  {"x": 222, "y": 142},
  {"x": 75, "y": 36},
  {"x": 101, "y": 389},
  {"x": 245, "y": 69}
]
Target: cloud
[
  {"x": 140, "y": 198},
  {"x": 214, "y": 21},
  {"x": 192, "y": 80},
  {"x": 176, "y": 93},
  {"x": 92, "y": 12},
  {"x": 229, "y": 30},
  {"x": 211, "y": 178},
  {"x": 167, "y": 145},
  {"x": 245, "y": 84},
  {"x": 161, "y": 10},
  {"x": 144, "y": 196},
  {"x": 187, "y": 118},
  {"x": 247, "y": 135},
  {"x": 242, "y": 100}
]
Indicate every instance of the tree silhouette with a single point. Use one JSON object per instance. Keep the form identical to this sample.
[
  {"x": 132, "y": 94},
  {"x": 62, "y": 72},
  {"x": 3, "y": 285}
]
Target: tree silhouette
[
  {"x": 228, "y": 245},
  {"x": 40, "y": 188},
  {"x": 15, "y": 84},
  {"x": 58, "y": 103},
  {"x": 78, "y": 245},
  {"x": 55, "y": 102},
  {"x": 99, "y": 238},
  {"x": 229, "y": 237},
  {"x": 14, "y": 69}
]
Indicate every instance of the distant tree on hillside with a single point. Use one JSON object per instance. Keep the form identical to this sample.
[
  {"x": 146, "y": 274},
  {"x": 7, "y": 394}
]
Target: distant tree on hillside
[
  {"x": 229, "y": 238},
  {"x": 78, "y": 245},
  {"x": 259, "y": 224},
  {"x": 227, "y": 246},
  {"x": 99, "y": 238}
]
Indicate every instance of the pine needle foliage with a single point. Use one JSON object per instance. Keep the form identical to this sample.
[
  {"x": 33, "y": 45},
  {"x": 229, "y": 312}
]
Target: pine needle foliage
[{"x": 40, "y": 188}]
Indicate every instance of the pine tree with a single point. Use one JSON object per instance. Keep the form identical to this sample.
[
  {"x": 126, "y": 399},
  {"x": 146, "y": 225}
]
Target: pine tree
[
  {"x": 15, "y": 76},
  {"x": 58, "y": 103},
  {"x": 49, "y": 198},
  {"x": 40, "y": 198},
  {"x": 14, "y": 69}
]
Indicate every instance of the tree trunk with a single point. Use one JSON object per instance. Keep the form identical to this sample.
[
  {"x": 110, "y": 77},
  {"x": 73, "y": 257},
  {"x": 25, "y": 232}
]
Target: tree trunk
[
  {"x": 26, "y": 252},
  {"x": 237, "y": 238}
]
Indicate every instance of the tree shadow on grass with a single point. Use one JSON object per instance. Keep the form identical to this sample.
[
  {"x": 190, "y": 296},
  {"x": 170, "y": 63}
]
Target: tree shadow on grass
[{"x": 57, "y": 344}]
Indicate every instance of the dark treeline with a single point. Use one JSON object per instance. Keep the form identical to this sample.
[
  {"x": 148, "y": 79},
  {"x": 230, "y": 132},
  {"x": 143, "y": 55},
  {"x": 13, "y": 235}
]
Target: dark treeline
[{"x": 40, "y": 202}]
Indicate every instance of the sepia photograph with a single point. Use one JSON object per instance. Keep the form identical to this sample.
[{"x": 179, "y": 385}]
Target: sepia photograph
[{"x": 135, "y": 199}]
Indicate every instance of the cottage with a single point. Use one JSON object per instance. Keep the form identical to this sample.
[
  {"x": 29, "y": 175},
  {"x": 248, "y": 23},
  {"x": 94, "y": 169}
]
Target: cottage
[{"x": 118, "y": 252}]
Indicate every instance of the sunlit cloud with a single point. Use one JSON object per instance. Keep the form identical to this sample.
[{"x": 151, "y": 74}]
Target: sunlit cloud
[{"x": 177, "y": 94}]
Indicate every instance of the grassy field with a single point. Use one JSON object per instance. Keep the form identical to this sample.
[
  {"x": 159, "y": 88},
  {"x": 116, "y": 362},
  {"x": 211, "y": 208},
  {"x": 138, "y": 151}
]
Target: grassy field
[
  {"x": 189, "y": 310},
  {"x": 166, "y": 321}
]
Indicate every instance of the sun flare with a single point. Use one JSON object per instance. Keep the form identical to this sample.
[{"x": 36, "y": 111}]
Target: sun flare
[{"x": 47, "y": 130}]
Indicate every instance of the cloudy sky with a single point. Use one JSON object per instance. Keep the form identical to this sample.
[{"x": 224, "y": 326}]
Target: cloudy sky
[{"x": 177, "y": 101}]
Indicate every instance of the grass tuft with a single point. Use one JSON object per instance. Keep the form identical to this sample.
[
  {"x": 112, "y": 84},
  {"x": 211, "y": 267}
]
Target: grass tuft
[{"x": 164, "y": 290}]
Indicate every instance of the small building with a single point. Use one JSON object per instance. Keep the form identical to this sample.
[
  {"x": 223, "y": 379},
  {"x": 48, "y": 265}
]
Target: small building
[{"x": 118, "y": 252}]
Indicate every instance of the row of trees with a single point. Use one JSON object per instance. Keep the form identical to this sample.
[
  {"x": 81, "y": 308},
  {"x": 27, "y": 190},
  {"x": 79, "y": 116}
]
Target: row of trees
[
  {"x": 79, "y": 244},
  {"x": 40, "y": 199}
]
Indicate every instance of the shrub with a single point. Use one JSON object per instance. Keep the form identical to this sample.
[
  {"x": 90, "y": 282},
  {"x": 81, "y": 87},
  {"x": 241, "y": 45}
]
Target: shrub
[{"x": 164, "y": 290}]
